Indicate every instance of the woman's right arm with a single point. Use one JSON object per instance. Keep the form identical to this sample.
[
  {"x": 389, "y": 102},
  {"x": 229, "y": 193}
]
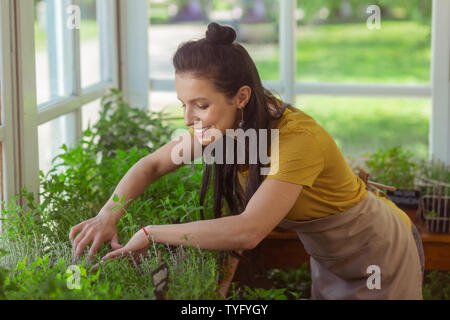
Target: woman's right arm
[{"x": 102, "y": 228}]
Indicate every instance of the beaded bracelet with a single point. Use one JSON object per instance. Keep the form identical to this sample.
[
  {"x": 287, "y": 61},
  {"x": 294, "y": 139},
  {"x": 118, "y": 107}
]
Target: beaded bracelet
[{"x": 146, "y": 234}]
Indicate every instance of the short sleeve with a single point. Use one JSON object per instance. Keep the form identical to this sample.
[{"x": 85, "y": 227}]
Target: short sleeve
[{"x": 299, "y": 159}]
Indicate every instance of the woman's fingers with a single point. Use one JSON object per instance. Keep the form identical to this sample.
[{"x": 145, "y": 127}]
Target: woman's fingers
[
  {"x": 79, "y": 237},
  {"x": 82, "y": 244},
  {"x": 114, "y": 254},
  {"x": 94, "y": 248},
  {"x": 75, "y": 230},
  {"x": 109, "y": 257},
  {"x": 115, "y": 245}
]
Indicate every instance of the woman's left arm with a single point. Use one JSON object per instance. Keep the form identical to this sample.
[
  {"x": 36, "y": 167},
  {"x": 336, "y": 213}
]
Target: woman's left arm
[{"x": 268, "y": 206}]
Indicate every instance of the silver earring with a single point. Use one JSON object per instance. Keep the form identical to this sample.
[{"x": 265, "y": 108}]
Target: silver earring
[{"x": 241, "y": 123}]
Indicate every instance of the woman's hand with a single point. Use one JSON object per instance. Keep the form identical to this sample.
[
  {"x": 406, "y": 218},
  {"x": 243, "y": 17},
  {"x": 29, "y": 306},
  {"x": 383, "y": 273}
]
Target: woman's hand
[
  {"x": 137, "y": 246},
  {"x": 97, "y": 230}
]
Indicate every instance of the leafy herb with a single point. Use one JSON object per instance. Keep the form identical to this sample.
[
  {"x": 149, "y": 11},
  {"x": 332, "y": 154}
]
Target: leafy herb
[{"x": 395, "y": 167}]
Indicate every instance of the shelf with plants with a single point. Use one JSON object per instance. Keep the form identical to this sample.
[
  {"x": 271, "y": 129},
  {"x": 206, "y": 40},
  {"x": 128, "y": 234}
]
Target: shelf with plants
[
  {"x": 36, "y": 253},
  {"x": 396, "y": 167}
]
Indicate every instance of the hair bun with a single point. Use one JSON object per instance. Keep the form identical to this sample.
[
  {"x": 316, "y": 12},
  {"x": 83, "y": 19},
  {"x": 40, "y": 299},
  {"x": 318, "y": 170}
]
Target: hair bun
[{"x": 218, "y": 34}]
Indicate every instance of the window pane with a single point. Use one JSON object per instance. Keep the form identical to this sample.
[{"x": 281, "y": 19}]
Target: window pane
[
  {"x": 169, "y": 104},
  {"x": 337, "y": 41},
  {"x": 54, "y": 50},
  {"x": 52, "y": 135},
  {"x": 256, "y": 22},
  {"x": 91, "y": 113},
  {"x": 363, "y": 125},
  {"x": 89, "y": 44}
]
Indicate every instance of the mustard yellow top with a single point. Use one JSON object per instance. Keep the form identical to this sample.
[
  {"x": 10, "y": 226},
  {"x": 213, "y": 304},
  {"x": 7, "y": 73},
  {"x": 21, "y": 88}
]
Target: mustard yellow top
[{"x": 309, "y": 156}]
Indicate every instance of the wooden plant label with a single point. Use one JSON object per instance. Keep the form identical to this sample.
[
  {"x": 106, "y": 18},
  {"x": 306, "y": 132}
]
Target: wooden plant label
[{"x": 160, "y": 279}]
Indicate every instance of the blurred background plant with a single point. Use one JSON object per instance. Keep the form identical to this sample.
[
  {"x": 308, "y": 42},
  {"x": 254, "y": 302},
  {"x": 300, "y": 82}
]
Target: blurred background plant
[
  {"x": 282, "y": 284},
  {"x": 394, "y": 167},
  {"x": 436, "y": 285}
]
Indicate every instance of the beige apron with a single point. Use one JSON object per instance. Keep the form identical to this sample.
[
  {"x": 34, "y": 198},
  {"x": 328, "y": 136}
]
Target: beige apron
[{"x": 349, "y": 248}]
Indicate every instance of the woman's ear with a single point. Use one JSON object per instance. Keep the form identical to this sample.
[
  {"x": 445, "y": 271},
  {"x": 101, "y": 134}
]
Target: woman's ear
[{"x": 243, "y": 96}]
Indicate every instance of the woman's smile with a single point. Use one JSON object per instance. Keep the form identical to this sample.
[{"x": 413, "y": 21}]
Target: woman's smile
[{"x": 200, "y": 132}]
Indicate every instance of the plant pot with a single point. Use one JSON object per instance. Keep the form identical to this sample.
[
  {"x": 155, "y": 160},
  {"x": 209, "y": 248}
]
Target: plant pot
[
  {"x": 435, "y": 210},
  {"x": 405, "y": 199}
]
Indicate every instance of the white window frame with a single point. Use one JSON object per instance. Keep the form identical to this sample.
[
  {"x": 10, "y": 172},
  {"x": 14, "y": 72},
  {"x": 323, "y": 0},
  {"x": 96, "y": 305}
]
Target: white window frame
[
  {"x": 7, "y": 136},
  {"x": 440, "y": 79},
  {"x": 21, "y": 114}
]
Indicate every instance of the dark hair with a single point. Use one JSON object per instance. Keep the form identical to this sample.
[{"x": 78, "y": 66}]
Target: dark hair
[{"x": 228, "y": 65}]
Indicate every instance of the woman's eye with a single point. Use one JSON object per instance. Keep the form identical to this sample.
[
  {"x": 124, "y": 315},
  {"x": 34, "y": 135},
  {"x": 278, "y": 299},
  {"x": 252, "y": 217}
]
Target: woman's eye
[{"x": 203, "y": 107}]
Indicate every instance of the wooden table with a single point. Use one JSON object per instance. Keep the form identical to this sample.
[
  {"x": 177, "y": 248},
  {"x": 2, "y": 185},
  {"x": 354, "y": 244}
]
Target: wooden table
[{"x": 436, "y": 247}]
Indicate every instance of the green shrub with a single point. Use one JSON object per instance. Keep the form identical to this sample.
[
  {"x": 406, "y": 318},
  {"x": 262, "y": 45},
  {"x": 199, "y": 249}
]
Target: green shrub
[
  {"x": 394, "y": 167},
  {"x": 437, "y": 285},
  {"x": 36, "y": 235},
  {"x": 297, "y": 281},
  {"x": 286, "y": 284},
  {"x": 435, "y": 170}
]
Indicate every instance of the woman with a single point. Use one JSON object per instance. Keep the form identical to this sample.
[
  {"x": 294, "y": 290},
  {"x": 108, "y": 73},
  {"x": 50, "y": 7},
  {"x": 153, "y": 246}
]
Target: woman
[{"x": 361, "y": 246}]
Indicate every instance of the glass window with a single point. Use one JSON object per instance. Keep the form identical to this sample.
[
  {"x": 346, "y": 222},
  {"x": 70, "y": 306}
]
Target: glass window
[
  {"x": 168, "y": 103},
  {"x": 256, "y": 23},
  {"x": 52, "y": 135},
  {"x": 54, "y": 50},
  {"x": 338, "y": 41},
  {"x": 89, "y": 44},
  {"x": 90, "y": 113},
  {"x": 363, "y": 125}
]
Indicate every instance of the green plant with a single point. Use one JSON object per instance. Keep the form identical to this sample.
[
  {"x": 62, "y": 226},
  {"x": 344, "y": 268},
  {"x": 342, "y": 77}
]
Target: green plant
[
  {"x": 432, "y": 214},
  {"x": 297, "y": 281},
  {"x": 248, "y": 293},
  {"x": 82, "y": 179},
  {"x": 435, "y": 170},
  {"x": 285, "y": 284},
  {"x": 121, "y": 128},
  {"x": 437, "y": 285},
  {"x": 394, "y": 167}
]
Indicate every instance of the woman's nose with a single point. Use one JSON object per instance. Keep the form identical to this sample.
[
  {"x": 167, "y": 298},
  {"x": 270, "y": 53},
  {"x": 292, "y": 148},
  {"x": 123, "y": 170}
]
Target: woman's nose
[{"x": 189, "y": 116}]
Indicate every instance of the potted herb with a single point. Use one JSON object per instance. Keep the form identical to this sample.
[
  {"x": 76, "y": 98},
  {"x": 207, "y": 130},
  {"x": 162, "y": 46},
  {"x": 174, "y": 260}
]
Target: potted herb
[
  {"x": 434, "y": 184},
  {"x": 396, "y": 167}
]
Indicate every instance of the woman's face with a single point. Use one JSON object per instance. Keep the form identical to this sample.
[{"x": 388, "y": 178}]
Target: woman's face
[{"x": 206, "y": 109}]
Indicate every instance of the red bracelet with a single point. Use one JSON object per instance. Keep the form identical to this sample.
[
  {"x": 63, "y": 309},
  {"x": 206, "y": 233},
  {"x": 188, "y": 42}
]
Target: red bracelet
[{"x": 146, "y": 233}]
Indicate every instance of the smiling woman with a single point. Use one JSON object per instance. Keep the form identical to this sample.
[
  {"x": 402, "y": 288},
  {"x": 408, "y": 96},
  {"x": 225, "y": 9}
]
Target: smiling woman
[{"x": 347, "y": 229}]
